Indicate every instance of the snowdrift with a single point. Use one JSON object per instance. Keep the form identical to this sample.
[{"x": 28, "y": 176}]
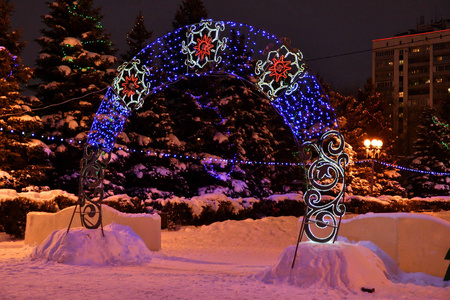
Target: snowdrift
[
  {"x": 342, "y": 266},
  {"x": 81, "y": 246}
]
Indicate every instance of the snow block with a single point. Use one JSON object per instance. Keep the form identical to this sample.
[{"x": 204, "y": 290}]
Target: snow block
[
  {"x": 40, "y": 224},
  {"x": 416, "y": 242}
]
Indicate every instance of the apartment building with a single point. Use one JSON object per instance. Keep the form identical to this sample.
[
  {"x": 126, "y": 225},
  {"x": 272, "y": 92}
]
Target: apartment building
[{"x": 412, "y": 71}]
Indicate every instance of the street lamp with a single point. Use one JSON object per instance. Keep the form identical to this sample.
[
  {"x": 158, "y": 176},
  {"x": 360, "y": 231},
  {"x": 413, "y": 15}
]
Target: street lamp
[{"x": 373, "y": 150}]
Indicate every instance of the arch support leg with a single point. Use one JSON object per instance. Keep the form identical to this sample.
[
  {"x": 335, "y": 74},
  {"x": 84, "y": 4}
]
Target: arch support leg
[
  {"x": 91, "y": 187},
  {"x": 326, "y": 176}
]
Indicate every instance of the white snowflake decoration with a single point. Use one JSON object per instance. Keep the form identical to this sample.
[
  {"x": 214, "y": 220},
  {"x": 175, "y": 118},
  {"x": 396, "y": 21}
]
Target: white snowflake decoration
[
  {"x": 130, "y": 84},
  {"x": 281, "y": 70},
  {"x": 203, "y": 44}
]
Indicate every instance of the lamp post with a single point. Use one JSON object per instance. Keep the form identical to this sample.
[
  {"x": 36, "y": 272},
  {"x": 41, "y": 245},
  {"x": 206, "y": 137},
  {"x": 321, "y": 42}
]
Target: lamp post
[{"x": 373, "y": 150}]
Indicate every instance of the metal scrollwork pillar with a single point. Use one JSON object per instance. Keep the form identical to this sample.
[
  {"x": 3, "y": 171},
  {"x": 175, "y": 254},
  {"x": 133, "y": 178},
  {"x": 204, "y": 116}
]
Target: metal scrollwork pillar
[
  {"x": 91, "y": 189},
  {"x": 325, "y": 174}
]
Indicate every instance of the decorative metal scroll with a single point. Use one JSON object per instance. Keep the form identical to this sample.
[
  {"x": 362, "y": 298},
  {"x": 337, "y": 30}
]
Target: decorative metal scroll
[
  {"x": 131, "y": 84},
  {"x": 326, "y": 174},
  {"x": 203, "y": 44},
  {"x": 280, "y": 72},
  {"x": 91, "y": 192}
]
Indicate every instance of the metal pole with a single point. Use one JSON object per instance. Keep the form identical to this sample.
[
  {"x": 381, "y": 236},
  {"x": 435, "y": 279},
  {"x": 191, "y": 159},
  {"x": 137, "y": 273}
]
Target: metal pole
[
  {"x": 300, "y": 236},
  {"x": 371, "y": 180}
]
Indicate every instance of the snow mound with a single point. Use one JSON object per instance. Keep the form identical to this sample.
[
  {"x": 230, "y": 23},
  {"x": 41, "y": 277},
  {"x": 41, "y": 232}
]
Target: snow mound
[
  {"x": 81, "y": 246},
  {"x": 342, "y": 266}
]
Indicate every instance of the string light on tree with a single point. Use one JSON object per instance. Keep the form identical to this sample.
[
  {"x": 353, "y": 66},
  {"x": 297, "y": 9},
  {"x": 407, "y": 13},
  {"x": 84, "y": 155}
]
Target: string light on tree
[
  {"x": 163, "y": 153},
  {"x": 446, "y": 130},
  {"x": 8, "y": 72}
]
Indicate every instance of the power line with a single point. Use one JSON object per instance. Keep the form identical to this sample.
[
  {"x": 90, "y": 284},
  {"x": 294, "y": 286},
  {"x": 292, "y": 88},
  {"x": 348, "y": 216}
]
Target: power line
[
  {"x": 369, "y": 50},
  {"x": 338, "y": 55},
  {"x": 54, "y": 104}
]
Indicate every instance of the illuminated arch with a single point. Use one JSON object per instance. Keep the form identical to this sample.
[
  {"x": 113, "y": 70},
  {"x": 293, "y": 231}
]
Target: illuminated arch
[{"x": 243, "y": 51}]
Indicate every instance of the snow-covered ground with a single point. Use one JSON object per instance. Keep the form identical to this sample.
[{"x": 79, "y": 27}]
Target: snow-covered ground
[{"x": 247, "y": 259}]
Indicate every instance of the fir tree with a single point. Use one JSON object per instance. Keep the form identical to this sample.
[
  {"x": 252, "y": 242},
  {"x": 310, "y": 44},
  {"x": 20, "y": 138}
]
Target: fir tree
[
  {"x": 76, "y": 62},
  {"x": 361, "y": 118},
  {"x": 23, "y": 161},
  {"x": 189, "y": 12},
  {"x": 9, "y": 38},
  {"x": 430, "y": 155},
  {"x": 137, "y": 38}
]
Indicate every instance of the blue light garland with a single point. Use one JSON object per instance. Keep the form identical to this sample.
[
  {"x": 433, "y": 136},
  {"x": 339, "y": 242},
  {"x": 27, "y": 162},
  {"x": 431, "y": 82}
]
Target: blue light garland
[
  {"x": 162, "y": 154},
  {"x": 108, "y": 122},
  {"x": 226, "y": 48},
  {"x": 403, "y": 168}
]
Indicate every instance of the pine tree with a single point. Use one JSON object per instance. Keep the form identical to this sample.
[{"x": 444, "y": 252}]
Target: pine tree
[
  {"x": 76, "y": 62},
  {"x": 430, "y": 155},
  {"x": 23, "y": 161},
  {"x": 137, "y": 38},
  {"x": 189, "y": 12}
]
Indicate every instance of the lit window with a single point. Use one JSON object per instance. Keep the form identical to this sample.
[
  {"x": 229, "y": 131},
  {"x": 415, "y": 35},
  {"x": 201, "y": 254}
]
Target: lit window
[
  {"x": 400, "y": 62},
  {"x": 428, "y": 81},
  {"x": 400, "y": 94},
  {"x": 439, "y": 58},
  {"x": 415, "y": 50},
  {"x": 391, "y": 63},
  {"x": 438, "y": 80}
]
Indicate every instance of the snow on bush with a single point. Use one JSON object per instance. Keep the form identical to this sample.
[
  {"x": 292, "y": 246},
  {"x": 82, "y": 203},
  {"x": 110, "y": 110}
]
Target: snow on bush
[
  {"x": 52, "y": 85},
  {"x": 109, "y": 58},
  {"x": 220, "y": 137},
  {"x": 71, "y": 41},
  {"x": 198, "y": 203},
  {"x": 25, "y": 118},
  {"x": 65, "y": 70},
  {"x": 9, "y": 194},
  {"x": 5, "y": 175}
]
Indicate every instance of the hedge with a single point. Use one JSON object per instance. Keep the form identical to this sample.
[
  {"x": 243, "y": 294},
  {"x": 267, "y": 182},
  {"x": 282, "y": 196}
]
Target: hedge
[{"x": 13, "y": 211}]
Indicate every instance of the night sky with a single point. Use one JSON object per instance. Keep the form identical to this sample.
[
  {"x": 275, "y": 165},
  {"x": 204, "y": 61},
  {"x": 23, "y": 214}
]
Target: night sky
[{"x": 319, "y": 28}]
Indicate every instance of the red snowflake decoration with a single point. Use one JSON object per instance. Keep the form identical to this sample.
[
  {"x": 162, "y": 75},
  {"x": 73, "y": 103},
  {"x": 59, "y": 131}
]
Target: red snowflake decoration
[
  {"x": 130, "y": 85},
  {"x": 279, "y": 68},
  {"x": 203, "y": 47}
]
